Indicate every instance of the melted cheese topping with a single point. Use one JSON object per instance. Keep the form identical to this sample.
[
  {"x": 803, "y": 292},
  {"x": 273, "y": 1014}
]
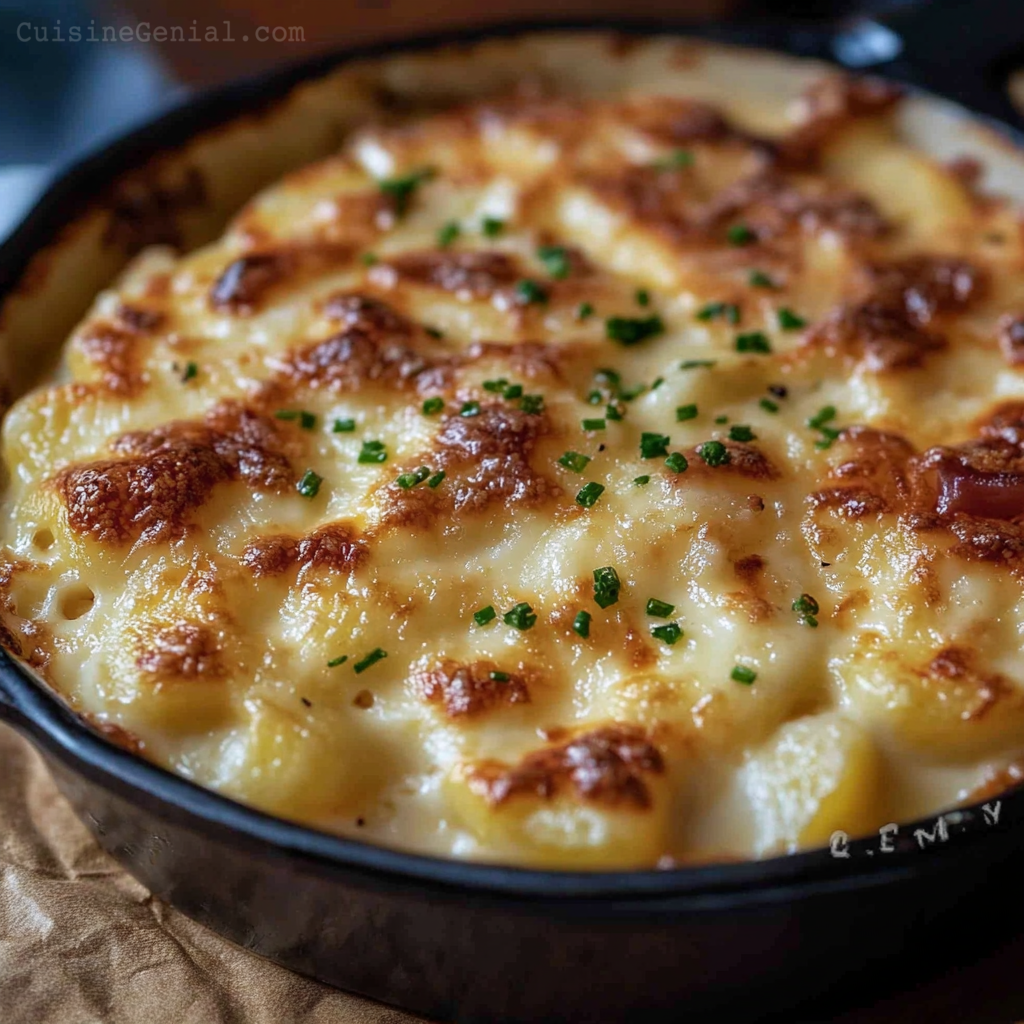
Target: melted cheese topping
[{"x": 554, "y": 480}]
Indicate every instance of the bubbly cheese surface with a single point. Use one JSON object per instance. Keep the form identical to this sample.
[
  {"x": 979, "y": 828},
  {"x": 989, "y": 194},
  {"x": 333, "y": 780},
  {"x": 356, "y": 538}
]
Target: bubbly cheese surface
[{"x": 578, "y": 481}]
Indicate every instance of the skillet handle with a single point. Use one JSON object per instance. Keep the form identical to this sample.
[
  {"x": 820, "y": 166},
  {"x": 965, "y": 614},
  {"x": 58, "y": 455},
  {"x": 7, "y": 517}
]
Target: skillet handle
[
  {"x": 962, "y": 49},
  {"x": 13, "y": 710}
]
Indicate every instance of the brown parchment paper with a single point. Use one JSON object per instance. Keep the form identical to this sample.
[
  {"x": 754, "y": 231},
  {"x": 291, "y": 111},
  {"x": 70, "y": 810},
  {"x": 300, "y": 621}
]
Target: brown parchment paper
[{"x": 81, "y": 942}]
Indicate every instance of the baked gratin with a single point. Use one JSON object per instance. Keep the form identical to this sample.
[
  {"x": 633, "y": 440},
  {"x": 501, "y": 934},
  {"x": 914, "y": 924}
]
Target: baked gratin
[{"x": 601, "y": 471}]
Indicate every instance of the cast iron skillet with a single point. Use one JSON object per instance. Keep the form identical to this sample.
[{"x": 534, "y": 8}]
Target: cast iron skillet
[{"x": 800, "y": 935}]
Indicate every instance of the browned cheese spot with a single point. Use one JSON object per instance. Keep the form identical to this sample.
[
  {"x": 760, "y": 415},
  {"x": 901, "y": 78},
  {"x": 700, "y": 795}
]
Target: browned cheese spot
[
  {"x": 184, "y": 650},
  {"x": 953, "y": 670},
  {"x": 464, "y": 274},
  {"x": 604, "y": 766},
  {"x": 894, "y": 326},
  {"x": 469, "y": 690},
  {"x": 870, "y": 477},
  {"x": 114, "y": 351},
  {"x": 334, "y": 547},
  {"x": 161, "y": 475},
  {"x": 487, "y": 459}
]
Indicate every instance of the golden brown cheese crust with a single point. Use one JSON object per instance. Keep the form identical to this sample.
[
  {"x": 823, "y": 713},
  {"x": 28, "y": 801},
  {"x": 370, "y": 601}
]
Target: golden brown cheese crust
[{"x": 577, "y": 477}]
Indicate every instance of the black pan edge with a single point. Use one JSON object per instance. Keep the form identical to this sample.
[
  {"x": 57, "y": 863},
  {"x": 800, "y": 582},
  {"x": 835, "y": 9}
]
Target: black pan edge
[{"x": 47, "y": 720}]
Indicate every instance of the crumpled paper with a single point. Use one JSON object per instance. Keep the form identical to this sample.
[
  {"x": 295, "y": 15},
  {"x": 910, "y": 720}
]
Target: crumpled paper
[{"x": 81, "y": 942}]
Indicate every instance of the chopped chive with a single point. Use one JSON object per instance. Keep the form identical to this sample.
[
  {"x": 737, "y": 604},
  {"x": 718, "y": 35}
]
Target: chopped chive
[
  {"x": 822, "y": 416},
  {"x": 595, "y": 398},
  {"x": 714, "y": 453},
  {"x": 368, "y": 259},
  {"x": 574, "y": 461},
  {"x": 628, "y": 394},
  {"x": 696, "y": 364},
  {"x": 759, "y": 279},
  {"x": 643, "y": 297},
  {"x": 432, "y": 406},
  {"x": 307, "y": 420},
  {"x": 610, "y": 379},
  {"x": 739, "y": 432},
  {"x": 513, "y": 391},
  {"x": 335, "y": 662},
  {"x": 401, "y": 189},
  {"x": 433, "y": 332},
  {"x": 768, "y": 405},
  {"x": 677, "y": 462},
  {"x": 727, "y": 310},
  {"x": 669, "y": 633},
  {"x": 653, "y": 446},
  {"x": 522, "y": 616},
  {"x": 434, "y": 482},
  {"x": 656, "y": 383},
  {"x": 721, "y": 419},
  {"x": 343, "y": 427},
  {"x": 594, "y": 424},
  {"x": 686, "y": 412},
  {"x": 528, "y": 291},
  {"x": 555, "y": 259},
  {"x": 500, "y": 677},
  {"x": 377, "y": 654},
  {"x": 309, "y": 485},
  {"x": 492, "y": 226},
  {"x": 496, "y": 387},
  {"x": 190, "y": 372},
  {"x": 659, "y": 609},
  {"x": 606, "y": 586},
  {"x": 742, "y": 674},
  {"x": 470, "y": 409},
  {"x": 286, "y": 414},
  {"x": 485, "y": 615},
  {"x": 675, "y": 161},
  {"x": 807, "y": 608},
  {"x": 589, "y": 494},
  {"x": 407, "y": 480},
  {"x": 631, "y": 330},
  {"x": 532, "y": 403},
  {"x": 753, "y": 341},
  {"x": 447, "y": 234},
  {"x": 740, "y": 234},
  {"x": 584, "y": 311},
  {"x": 373, "y": 452},
  {"x": 581, "y": 624},
  {"x": 789, "y": 321},
  {"x": 642, "y": 481},
  {"x": 613, "y": 412}
]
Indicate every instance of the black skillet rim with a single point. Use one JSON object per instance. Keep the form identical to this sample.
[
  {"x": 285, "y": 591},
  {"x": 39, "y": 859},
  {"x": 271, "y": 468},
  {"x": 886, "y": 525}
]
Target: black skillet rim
[{"x": 57, "y": 729}]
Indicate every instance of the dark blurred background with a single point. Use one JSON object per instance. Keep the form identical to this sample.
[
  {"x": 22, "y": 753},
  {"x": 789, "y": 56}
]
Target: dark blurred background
[{"x": 60, "y": 98}]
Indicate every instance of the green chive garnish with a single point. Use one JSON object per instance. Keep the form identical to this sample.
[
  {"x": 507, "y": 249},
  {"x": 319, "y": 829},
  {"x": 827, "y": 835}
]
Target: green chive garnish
[
  {"x": 500, "y": 677},
  {"x": 789, "y": 321},
  {"x": 669, "y": 633},
  {"x": 739, "y": 432},
  {"x": 286, "y": 414},
  {"x": 436, "y": 479},
  {"x": 821, "y": 417},
  {"x": 768, "y": 405},
  {"x": 335, "y": 662},
  {"x": 659, "y": 609},
  {"x": 447, "y": 234},
  {"x": 555, "y": 260},
  {"x": 728, "y": 310},
  {"x": 686, "y": 412},
  {"x": 807, "y": 608},
  {"x": 191, "y": 371},
  {"x": 742, "y": 674},
  {"x": 630, "y": 331},
  {"x": 740, "y": 234},
  {"x": 368, "y": 259},
  {"x": 485, "y": 615},
  {"x": 642, "y": 481},
  {"x": 531, "y": 403},
  {"x": 643, "y": 297},
  {"x": 574, "y": 461},
  {"x": 653, "y": 446},
  {"x": 613, "y": 412},
  {"x": 675, "y": 161},
  {"x": 401, "y": 189},
  {"x": 696, "y": 364},
  {"x": 492, "y": 226},
  {"x": 528, "y": 291},
  {"x": 594, "y": 424},
  {"x": 589, "y": 494},
  {"x": 677, "y": 462},
  {"x": 373, "y": 452},
  {"x": 714, "y": 453},
  {"x": 432, "y": 406},
  {"x": 377, "y": 654},
  {"x": 521, "y": 616},
  {"x": 753, "y": 341},
  {"x": 496, "y": 387},
  {"x": 309, "y": 485},
  {"x": 513, "y": 391},
  {"x": 581, "y": 624},
  {"x": 343, "y": 427},
  {"x": 470, "y": 409},
  {"x": 606, "y": 586},
  {"x": 759, "y": 279},
  {"x": 407, "y": 480},
  {"x": 584, "y": 310}
]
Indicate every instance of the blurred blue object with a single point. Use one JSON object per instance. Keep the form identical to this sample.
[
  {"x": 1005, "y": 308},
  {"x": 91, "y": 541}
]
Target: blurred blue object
[{"x": 61, "y": 99}]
